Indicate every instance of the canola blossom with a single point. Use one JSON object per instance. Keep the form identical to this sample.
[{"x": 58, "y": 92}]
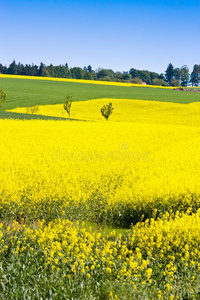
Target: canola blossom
[
  {"x": 113, "y": 171},
  {"x": 83, "y": 81},
  {"x": 155, "y": 260},
  {"x": 139, "y": 171},
  {"x": 126, "y": 110}
]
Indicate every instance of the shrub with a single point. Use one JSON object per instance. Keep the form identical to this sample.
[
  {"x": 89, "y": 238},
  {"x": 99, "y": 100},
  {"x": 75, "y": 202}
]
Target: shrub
[
  {"x": 106, "y": 111},
  {"x": 136, "y": 80},
  {"x": 32, "y": 109},
  {"x": 2, "y": 97},
  {"x": 67, "y": 104}
]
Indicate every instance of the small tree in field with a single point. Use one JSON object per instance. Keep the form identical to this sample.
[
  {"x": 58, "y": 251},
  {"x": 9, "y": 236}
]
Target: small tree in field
[
  {"x": 106, "y": 111},
  {"x": 32, "y": 109},
  {"x": 67, "y": 104},
  {"x": 2, "y": 97}
]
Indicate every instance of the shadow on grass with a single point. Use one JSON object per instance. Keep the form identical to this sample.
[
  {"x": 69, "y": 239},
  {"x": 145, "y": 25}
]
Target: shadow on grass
[{"x": 13, "y": 115}]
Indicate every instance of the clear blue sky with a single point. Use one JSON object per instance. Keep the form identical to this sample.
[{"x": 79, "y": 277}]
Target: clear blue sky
[{"x": 116, "y": 34}]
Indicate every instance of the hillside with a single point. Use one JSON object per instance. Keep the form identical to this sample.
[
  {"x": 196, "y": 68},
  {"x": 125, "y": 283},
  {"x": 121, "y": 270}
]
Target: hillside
[{"x": 23, "y": 93}]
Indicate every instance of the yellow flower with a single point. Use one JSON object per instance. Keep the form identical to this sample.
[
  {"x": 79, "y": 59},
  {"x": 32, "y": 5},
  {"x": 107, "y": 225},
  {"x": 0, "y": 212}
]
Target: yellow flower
[{"x": 108, "y": 270}]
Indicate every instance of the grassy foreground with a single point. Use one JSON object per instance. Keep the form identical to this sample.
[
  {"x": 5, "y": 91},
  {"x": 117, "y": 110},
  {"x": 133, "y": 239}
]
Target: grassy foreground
[{"x": 61, "y": 260}]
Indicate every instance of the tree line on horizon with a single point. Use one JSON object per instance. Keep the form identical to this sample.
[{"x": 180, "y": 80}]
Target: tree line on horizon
[{"x": 172, "y": 76}]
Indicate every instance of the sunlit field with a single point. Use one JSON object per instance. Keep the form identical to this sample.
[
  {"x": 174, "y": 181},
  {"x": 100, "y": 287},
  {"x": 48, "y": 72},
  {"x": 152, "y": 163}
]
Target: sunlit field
[
  {"x": 96, "y": 209},
  {"x": 106, "y": 171},
  {"x": 126, "y": 110},
  {"x": 114, "y": 173}
]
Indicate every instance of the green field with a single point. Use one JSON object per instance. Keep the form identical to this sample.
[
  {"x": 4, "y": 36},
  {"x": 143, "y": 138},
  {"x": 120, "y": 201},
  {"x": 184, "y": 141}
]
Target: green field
[
  {"x": 25, "y": 92},
  {"x": 14, "y": 115}
]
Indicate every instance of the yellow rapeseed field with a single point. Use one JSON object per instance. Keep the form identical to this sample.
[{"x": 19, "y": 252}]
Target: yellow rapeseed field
[
  {"x": 120, "y": 170},
  {"x": 126, "y": 110},
  {"x": 142, "y": 167}
]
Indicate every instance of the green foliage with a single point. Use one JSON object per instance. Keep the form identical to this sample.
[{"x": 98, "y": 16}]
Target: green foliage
[
  {"x": 31, "y": 271},
  {"x": 175, "y": 82},
  {"x": 159, "y": 82},
  {"x": 32, "y": 109},
  {"x": 2, "y": 97},
  {"x": 77, "y": 73},
  {"x": 136, "y": 80},
  {"x": 106, "y": 111},
  {"x": 67, "y": 104},
  {"x": 144, "y": 75},
  {"x": 195, "y": 75},
  {"x": 105, "y": 73},
  {"x": 169, "y": 73},
  {"x": 63, "y": 71},
  {"x": 185, "y": 76},
  {"x": 177, "y": 73},
  {"x": 12, "y": 69}
]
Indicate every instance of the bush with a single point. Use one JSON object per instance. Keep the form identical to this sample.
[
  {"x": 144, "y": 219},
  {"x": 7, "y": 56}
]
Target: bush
[
  {"x": 2, "y": 97},
  {"x": 67, "y": 104},
  {"x": 136, "y": 80},
  {"x": 106, "y": 111},
  {"x": 175, "y": 82},
  {"x": 32, "y": 109},
  {"x": 159, "y": 82}
]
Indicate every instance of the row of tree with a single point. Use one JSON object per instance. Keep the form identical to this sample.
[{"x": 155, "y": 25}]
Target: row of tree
[
  {"x": 173, "y": 76},
  {"x": 177, "y": 76}
]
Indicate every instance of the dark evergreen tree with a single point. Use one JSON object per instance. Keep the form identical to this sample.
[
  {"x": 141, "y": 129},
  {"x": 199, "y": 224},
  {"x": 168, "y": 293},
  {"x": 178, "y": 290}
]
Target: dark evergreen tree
[
  {"x": 89, "y": 68},
  {"x": 12, "y": 69},
  {"x": 35, "y": 68},
  {"x": 20, "y": 69},
  {"x": 1, "y": 68},
  {"x": 195, "y": 75},
  {"x": 42, "y": 70},
  {"x": 169, "y": 73}
]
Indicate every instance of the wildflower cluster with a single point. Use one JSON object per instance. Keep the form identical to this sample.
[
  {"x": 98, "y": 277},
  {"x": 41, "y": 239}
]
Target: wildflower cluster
[{"x": 156, "y": 259}]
